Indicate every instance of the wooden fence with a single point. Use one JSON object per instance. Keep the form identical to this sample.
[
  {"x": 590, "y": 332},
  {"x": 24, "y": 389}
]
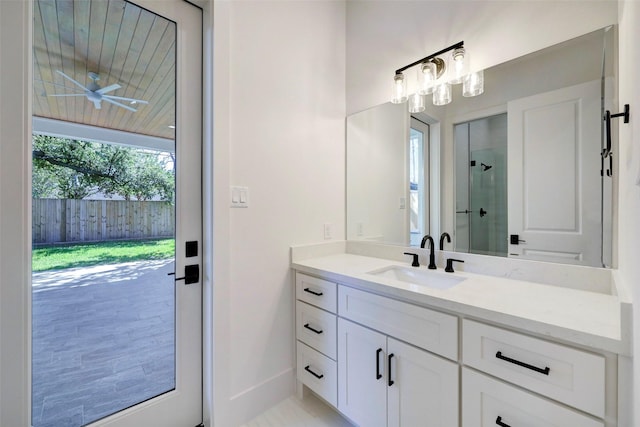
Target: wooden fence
[{"x": 67, "y": 220}]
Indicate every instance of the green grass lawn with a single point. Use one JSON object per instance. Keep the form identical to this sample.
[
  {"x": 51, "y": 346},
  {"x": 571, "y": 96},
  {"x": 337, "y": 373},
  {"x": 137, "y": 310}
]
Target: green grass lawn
[{"x": 87, "y": 254}]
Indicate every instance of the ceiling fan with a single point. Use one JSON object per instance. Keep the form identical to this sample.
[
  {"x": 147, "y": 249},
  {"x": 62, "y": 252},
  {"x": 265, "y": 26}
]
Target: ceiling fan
[{"x": 97, "y": 94}]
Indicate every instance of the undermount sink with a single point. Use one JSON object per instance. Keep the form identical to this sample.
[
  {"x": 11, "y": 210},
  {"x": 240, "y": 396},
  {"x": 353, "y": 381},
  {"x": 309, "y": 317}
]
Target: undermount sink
[{"x": 421, "y": 277}]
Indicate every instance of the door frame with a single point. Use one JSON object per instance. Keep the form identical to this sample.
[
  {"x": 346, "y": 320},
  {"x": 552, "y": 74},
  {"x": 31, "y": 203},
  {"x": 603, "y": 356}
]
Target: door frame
[{"x": 16, "y": 27}]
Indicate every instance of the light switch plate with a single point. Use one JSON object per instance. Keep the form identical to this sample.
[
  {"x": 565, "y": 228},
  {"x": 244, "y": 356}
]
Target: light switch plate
[{"x": 239, "y": 197}]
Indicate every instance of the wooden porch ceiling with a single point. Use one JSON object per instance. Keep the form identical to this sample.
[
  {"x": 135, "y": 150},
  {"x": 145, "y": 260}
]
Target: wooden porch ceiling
[{"x": 122, "y": 43}]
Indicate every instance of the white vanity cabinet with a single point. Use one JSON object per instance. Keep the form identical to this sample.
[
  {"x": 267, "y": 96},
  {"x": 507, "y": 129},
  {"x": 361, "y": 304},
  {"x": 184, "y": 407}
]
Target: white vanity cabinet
[
  {"x": 316, "y": 365},
  {"x": 487, "y": 402},
  {"x": 570, "y": 376},
  {"x": 384, "y": 360},
  {"x": 385, "y": 382}
]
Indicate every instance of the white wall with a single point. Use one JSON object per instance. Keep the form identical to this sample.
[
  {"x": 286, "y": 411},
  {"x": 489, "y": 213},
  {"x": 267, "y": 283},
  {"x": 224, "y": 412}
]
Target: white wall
[
  {"x": 629, "y": 170},
  {"x": 279, "y": 93},
  {"x": 378, "y": 140},
  {"x": 383, "y": 36}
]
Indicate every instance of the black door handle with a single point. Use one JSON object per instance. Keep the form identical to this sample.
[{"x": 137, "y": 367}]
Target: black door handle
[
  {"x": 320, "y": 376},
  {"x": 500, "y": 423},
  {"x": 311, "y": 328},
  {"x": 378, "y": 374},
  {"x": 191, "y": 274},
  {"x": 544, "y": 371},
  {"x": 391, "y": 382}
]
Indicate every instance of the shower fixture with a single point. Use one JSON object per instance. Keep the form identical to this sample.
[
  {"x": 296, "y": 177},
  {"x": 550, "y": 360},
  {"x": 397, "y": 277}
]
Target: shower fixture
[{"x": 485, "y": 167}]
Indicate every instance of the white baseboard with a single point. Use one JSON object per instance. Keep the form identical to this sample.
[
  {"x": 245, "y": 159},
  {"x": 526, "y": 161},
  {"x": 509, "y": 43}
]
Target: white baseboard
[{"x": 253, "y": 401}]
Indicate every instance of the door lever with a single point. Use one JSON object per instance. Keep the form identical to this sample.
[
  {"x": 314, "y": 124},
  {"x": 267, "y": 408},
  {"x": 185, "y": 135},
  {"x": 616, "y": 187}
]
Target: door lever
[{"x": 191, "y": 274}]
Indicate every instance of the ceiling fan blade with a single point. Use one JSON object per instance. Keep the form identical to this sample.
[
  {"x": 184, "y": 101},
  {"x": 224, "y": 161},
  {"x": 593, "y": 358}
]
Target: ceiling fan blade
[
  {"x": 50, "y": 83},
  {"x": 70, "y": 79},
  {"x": 109, "y": 88},
  {"x": 138, "y": 101},
  {"x": 67, "y": 94},
  {"x": 97, "y": 104},
  {"x": 111, "y": 101}
]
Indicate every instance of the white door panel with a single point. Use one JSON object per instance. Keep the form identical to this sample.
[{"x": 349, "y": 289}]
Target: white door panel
[{"x": 554, "y": 175}]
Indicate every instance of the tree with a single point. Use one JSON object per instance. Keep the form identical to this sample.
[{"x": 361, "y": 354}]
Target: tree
[{"x": 68, "y": 168}]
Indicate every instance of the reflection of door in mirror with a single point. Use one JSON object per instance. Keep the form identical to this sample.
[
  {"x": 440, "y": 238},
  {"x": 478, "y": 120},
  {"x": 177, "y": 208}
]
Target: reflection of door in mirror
[
  {"x": 554, "y": 138},
  {"x": 418, "y": 181},
  {"x": 481, "y": 186}
]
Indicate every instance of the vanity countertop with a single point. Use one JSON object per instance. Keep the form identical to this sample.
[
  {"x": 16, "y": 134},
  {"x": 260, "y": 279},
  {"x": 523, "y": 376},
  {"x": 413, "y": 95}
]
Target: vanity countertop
[{"x": 596, "y": 320}]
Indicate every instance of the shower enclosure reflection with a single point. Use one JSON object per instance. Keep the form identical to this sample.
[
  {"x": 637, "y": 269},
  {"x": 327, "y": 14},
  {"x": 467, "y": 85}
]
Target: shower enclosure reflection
[{"x": 481, "y": 186}]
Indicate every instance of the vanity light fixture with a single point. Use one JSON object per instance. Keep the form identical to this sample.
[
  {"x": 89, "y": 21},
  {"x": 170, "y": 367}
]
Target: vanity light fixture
[
  {"x": 399, "y": 89},
  {"x": 416, "y": 103},
  {"x": 435, "y": 75}
]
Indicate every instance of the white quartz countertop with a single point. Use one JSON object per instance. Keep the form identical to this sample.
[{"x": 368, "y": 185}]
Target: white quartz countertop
[{"x": 580, "y": 317}]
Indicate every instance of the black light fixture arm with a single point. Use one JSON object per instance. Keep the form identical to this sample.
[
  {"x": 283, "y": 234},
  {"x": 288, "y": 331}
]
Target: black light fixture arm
[{"x": 433, "y": 55}]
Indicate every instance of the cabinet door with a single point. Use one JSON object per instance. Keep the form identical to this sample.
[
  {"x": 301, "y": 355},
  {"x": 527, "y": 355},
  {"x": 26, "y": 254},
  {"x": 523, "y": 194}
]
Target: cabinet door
[
  {"x": 362, "y": 387},
  {"x": 424, "y": 391}
]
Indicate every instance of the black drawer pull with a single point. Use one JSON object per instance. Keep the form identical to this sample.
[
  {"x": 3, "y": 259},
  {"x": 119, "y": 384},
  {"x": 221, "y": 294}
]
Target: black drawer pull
[
  {"x": 544, "y": 371},
  {"x": 318, "y": 294},
  {"x": 500, "y": 423},
  {"x": 306, "y": 325},
  {"x": 306, "y": 368},
  {"x": 391, "y": 382},
  {"x": 378, "y": 374}
]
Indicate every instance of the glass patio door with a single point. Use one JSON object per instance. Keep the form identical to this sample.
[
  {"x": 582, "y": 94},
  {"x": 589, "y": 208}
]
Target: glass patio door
[{"x": 116, "y": 213}]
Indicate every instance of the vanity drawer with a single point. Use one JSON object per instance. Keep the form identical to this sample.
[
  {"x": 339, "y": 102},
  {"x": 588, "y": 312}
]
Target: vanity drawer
[
  {"x": 487, "y": 402},
  {"x": 431, "y": 330},
  {"x": 316, "y": 328},
  {"x": 571, "y": 376},
  {"x": 318, "y": 292},
  {"x": 317, "y": 372}
]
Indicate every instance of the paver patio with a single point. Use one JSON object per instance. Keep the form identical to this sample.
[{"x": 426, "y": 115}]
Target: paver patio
[{"x": 103, "y": 340}]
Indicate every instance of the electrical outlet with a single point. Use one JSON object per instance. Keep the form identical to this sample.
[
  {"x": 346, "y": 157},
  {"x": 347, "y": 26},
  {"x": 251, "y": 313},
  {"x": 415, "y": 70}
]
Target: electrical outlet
[
  {"x": 327, "y": 231},
  {"x": 360, "y": 229}
]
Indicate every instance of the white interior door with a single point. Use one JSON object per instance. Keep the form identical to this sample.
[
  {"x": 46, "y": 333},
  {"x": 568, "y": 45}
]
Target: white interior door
[{"x": 554, "y": 175}]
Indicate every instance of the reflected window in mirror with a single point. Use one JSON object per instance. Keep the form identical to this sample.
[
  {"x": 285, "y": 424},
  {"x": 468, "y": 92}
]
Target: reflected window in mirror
[{"x": 418, "y": 181}]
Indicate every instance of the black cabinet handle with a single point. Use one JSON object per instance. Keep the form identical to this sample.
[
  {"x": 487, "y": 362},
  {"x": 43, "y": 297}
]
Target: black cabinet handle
[
  {"x": 306, "y": 368},
  {"x": 500, "y": 423},
  {"x": 544, "y": 371},
  {"x": 391, "y": 382},
  {"x": 311, "y": 328},
  {"x": 318, "y": 294},
  {"x": 378, "y": 374}
]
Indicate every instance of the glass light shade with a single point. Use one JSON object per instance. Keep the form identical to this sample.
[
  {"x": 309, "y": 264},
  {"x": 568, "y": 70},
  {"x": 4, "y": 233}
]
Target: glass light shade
[
  {"x": 458, "y": 65},
  {"x": 416, "y": 103},
  {"x": 473, "y": 84},
  {"x": 426, "y": 78},
  {"x": 399, "y": 89},
  {"x": 442, "y": 94}
]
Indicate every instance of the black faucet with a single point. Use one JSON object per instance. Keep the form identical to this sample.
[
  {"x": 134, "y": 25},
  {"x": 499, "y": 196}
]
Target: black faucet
[
  {"x": 449, "y": 267},
  {"x": 442, "y": 237},
  {"x": 414, "y": 262},
  {"x": 432, "y": 257}
]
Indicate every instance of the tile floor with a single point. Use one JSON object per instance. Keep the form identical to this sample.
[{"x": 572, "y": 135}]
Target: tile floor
[
  {"x": 293, "y": 412},
  {"x": 102, "y": 340}
]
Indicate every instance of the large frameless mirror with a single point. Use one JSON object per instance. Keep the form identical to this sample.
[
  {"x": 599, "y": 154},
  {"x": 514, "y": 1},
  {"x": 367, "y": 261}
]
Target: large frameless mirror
[{"x": 515, "y": 172}]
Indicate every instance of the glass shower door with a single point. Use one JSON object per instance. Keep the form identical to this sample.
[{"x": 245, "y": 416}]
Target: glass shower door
[{"x": 481, "y": 186}]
